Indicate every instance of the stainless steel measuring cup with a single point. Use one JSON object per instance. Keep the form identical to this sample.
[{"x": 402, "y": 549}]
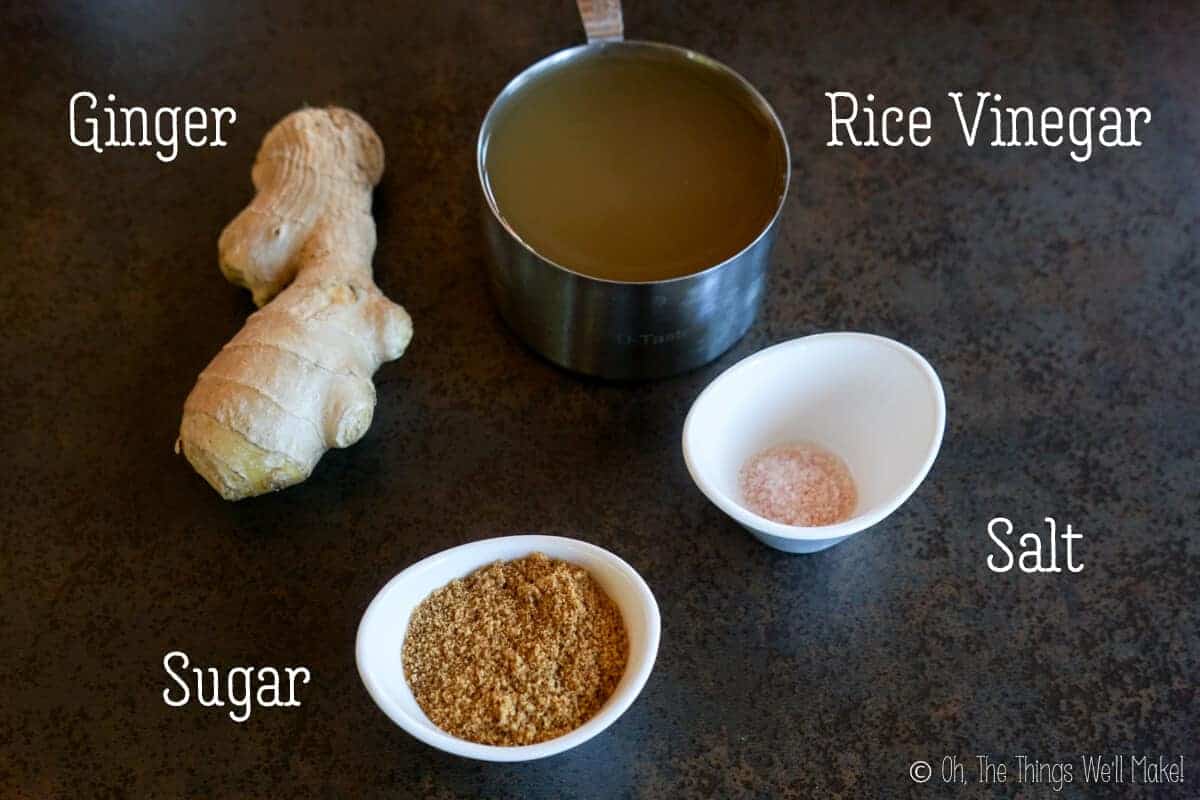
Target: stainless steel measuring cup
[{"x": 614, "y": 329}]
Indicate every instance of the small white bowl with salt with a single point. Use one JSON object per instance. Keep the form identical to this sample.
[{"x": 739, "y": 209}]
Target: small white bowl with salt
[{"x": 834, "y": 431}]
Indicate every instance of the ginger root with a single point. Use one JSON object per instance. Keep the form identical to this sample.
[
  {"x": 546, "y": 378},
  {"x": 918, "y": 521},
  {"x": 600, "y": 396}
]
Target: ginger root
[{"x": 296, "y": 380}]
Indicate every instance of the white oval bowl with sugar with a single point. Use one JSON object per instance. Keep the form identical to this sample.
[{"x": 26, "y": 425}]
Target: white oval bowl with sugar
[{"x": 384, "y": 625}]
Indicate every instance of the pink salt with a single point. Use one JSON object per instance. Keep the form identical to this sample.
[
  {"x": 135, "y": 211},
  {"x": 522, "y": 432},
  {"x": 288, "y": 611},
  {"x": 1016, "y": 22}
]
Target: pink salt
[{"x": 798, "y": 484}]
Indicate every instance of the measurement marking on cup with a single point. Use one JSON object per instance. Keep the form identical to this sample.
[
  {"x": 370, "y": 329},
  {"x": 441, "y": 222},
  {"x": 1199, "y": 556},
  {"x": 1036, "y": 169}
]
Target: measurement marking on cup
[{"x": 653, "y": 338}]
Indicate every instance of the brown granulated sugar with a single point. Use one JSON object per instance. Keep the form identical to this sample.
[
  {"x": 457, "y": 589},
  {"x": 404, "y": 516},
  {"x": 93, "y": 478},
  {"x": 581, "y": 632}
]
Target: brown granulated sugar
[{"x": 516, "y": 653}]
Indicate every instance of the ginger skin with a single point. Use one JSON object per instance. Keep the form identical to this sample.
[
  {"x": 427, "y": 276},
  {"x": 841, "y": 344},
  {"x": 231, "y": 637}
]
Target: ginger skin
[{"x": 296, "y": 380}]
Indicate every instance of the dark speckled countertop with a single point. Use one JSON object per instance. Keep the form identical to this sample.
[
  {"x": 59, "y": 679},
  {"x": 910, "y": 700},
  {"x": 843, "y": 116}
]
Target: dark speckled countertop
[{"x": 1058, "y": 301}]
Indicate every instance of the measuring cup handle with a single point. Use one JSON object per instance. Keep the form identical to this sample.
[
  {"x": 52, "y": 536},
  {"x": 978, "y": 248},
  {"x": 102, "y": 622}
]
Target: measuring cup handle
[{"x": 602, "y": 20}]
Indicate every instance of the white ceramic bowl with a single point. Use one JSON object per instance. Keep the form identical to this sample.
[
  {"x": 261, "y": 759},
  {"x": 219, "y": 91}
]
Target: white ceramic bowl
[
  {"x": 874, "y": 402},
  {"x": 385, "y": 624}
]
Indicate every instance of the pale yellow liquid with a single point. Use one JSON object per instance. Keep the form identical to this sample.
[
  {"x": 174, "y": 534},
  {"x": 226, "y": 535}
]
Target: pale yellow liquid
[{"x": 627, "y": 167}]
